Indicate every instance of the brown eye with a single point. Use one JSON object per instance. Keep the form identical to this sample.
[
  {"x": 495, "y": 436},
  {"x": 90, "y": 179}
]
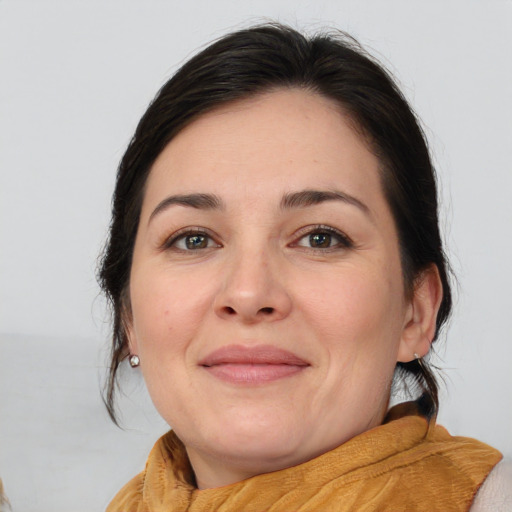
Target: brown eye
[
  {"x": 323, "y": 238},
  {"x": 192, "y": 241},
  {"x": 196, "y": 242},
  {"x": 320, "y": 240}
]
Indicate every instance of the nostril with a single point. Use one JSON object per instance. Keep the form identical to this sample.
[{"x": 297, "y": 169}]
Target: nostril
[{"x": 250, "y": 313}]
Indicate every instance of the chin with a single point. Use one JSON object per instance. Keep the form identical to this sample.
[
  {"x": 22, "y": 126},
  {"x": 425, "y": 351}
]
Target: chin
[{"x": 260, "y": 439}]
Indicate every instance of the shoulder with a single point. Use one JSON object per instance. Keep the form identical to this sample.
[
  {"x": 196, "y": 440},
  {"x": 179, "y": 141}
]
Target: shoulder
[
  {"x": 495, "y": 494},
  {"x": 129, "y": 497}
]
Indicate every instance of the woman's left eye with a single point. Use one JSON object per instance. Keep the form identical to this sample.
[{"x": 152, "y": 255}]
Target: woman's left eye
[{"x": 324, "y": 238}]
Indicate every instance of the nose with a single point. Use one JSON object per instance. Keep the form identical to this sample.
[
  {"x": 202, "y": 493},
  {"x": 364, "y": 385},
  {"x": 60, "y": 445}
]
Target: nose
[{"x": 253, "y": 290}]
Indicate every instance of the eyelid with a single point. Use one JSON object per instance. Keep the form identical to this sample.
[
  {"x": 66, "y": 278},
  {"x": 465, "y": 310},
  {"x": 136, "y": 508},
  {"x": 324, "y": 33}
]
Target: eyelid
[
  {"x": 169, "y": 241},
  {"x": 346, "y": 241}
]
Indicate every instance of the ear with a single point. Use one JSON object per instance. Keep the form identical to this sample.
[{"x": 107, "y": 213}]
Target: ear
[{"x": 420, "y": 320}]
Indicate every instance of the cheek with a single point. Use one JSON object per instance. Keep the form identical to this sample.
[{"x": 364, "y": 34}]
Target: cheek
[
  {"x": 167, "y": 313},
  {"x": 167, "y": 309},
  {"x": 358, "y": 320},
  {"x": 358, "y": 308}
]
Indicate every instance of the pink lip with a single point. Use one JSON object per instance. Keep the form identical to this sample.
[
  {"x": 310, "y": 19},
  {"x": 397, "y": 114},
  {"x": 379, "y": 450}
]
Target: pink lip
[{"x": 252, "y": 365}]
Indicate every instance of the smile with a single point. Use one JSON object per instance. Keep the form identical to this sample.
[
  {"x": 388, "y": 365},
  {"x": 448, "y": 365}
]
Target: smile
[{"x": 252, "y": 365}]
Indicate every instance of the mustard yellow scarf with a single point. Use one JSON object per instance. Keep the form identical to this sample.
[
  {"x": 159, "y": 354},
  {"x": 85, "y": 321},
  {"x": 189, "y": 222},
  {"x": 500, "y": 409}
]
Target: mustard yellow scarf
[{"x": 403, "y": 465}]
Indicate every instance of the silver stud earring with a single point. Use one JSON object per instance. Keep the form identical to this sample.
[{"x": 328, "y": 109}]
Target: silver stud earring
[
  {"x": 134, "y": 361},
  {"x": 416, "y": 356}
]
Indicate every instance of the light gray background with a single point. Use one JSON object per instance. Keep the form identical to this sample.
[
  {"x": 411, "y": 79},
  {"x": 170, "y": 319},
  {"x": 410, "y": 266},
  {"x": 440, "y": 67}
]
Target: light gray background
[{"x": 75, "y": 78}]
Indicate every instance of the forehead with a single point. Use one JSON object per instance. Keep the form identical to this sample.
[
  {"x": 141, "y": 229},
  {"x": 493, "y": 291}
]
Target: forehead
[{"x": 264, "y": 146}]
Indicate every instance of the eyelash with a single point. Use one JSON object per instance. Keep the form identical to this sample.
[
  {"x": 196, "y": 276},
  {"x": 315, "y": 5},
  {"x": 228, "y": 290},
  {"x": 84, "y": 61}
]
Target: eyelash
[
  {"x": 343, "y": 241},
  {"x": 171, "y": 243}
]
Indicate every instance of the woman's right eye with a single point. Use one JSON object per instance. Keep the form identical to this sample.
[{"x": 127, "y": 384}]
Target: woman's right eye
[{"x": 191, "y": 241}]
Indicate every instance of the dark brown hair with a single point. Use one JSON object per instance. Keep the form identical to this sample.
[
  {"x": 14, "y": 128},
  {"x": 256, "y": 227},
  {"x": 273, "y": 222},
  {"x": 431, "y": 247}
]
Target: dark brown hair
[{"x": 260, "y": 59}]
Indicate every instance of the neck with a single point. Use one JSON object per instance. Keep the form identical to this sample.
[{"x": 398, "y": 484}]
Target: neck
[{"x": 212, "y": 471}]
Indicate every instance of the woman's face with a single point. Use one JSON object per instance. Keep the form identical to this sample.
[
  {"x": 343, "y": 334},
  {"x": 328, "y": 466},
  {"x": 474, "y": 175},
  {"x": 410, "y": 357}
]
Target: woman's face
[{"x": 267, "y": 297}]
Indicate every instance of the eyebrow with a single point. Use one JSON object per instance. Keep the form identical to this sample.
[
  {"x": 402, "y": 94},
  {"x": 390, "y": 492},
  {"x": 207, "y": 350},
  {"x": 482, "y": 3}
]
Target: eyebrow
[
  {"x": 306, "y": 198},
  {"x": 292, "y": 200},
  {"x": 198, "y": 201}
]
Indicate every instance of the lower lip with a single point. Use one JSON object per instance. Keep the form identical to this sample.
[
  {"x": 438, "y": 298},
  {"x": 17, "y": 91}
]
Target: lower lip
[{"x": 253, "y": 373}]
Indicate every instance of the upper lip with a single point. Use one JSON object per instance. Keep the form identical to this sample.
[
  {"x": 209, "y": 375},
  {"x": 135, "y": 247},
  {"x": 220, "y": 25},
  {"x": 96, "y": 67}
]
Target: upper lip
[{"x": 258, "y": 354}]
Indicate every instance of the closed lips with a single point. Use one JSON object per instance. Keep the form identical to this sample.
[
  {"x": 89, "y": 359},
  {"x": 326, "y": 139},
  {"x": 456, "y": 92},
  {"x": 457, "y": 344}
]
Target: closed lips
[
  {"x": 258, "y": 355},
  {"x": 237, "y": 364}
]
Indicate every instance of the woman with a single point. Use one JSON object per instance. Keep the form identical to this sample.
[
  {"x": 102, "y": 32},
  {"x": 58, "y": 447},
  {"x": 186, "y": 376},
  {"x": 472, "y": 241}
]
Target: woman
[{"x": 274, "y": 261}]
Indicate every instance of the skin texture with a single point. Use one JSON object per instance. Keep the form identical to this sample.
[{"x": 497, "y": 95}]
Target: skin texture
[{"x": 259, "y": 278}]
